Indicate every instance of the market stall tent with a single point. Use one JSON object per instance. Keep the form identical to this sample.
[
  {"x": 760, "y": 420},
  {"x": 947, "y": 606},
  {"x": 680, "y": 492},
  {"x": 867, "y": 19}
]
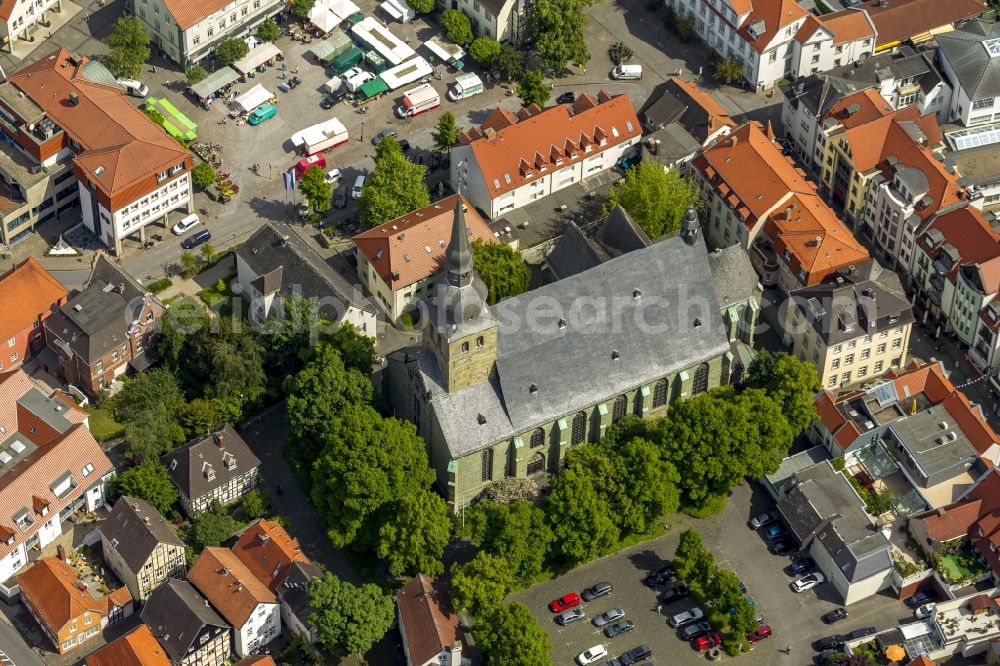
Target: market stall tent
[
  {"x": 214, "y": 82},
  {"x": 371, "y": 88},
  {"x": 446, "y": 54},
  {"x": 176, "y": 123},
  {"x": 259, "y": 55},
  {"x": 327, "y": 50},
  {"x": 253, "y": 98},
  {"x": 378, "y": 38}
]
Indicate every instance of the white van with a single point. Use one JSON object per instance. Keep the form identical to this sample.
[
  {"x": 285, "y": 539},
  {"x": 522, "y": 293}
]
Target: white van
[
  {"x": 357, "y": 80},
  {"x": 627, "y": 72},
  {"x": 133, "y": 87},
  {"x": 466, "y": 85},
  {"x": 359, "y": 184},
  {"x": 185, "y": 225}
]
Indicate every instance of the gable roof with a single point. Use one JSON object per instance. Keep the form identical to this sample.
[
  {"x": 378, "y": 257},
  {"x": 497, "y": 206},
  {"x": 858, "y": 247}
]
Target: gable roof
[
  {"x": 186, "y": 13},
  {"x": 27, "y": 293},
  {"x": 966, "y": 231},
  {"x": 896, "y": 20},
  {"x": 105, "y": 271},
  {"x": 267, "y": 550},
  {"x": 574, "y": 253},
  {"x": 192, "y": 464},
  {"x": 429, "y": 622},
  {"x": 514, "y": 149},
  {"x": 176, "y": 614},
  {"x": 256, "y": 660},
  {"x": 229, "y": 585},
  {"x": 134, "y": 530},
  {"x": 977, "y": 70},
  {"x": 848, "y": 25},
  {"x": 50, "y": 585},
  {"x": 733, "y": 275},
  {"x": 690, "y": 106},
  {"x": 398, "y": 250},
  {"x": 136, "y": 648},
  {"x": 953, "y": 521},
  {"x": 293, "y": 590},
  {"x": 767, "y": 19}
]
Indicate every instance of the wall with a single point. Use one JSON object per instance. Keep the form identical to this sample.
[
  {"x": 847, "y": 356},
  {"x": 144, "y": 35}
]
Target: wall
[{"x": 258, "y": 631}]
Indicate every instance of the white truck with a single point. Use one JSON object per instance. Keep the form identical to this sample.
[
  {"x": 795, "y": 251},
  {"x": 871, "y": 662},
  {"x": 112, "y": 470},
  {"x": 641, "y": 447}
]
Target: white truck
[
  {"x": 319, "y": 137},
  {"x": 418, "y": 100},
  {"x": 627, "y": 72},
  {"x": 465, "y": 86}
]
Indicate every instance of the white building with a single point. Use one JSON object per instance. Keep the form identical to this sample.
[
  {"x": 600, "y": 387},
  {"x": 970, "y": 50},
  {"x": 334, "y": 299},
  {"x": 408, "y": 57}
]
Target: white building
[
  {"x": 188, "y": 30},
  {"x": 831, "y": 41},
  {"x": 516, "y": 158},
  {"x": 503, "y": 20}
]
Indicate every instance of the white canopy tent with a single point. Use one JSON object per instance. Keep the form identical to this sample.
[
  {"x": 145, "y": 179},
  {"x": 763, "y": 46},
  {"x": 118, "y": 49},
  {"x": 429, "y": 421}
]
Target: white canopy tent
[
  {"x": 444, "y": 54},
  {"x": 328, "y": 14},
  {"x": 253, "y": 98},
  {"x": 257, "y": 57}
]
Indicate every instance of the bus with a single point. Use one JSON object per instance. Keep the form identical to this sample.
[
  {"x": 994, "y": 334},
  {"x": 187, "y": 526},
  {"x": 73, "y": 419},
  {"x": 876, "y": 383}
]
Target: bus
[{"x": 419, "y": 100}]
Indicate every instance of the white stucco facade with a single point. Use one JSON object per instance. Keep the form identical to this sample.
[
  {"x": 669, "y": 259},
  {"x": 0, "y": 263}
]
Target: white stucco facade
[{"x": 263, "y": 626}]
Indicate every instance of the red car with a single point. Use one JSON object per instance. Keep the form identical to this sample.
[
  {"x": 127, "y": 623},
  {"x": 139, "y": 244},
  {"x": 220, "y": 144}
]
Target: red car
[
  {"x": 760, "y": 633},
  {"x": 707, "y": 642},
  {"x": 565, "y": 602}
]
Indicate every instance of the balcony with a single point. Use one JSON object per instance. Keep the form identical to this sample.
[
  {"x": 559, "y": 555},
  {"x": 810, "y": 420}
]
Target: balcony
[{"x": 937, "y": 281}]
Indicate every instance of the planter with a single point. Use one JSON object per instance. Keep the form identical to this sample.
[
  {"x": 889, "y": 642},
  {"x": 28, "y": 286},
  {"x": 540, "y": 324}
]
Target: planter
[{"x": 715, "y": 654}]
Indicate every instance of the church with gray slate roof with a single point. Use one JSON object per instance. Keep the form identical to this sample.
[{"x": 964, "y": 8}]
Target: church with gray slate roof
[{"x": 505, "y": 390}]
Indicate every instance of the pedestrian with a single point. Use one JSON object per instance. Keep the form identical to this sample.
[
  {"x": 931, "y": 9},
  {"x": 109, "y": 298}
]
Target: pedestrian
[
  {"x": 659, "y": 609},
  {"x": 788, "y": 649}
]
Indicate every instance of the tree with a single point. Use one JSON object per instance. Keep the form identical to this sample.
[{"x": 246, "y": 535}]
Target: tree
[
  {"x": 129, "y": 44},
  {"x": 287, "y": 335},
  {"x": 509, "y": 62},
  {"x": 315, "y": 189},
  {"x": 152, "y": 433},
  {"x": 212, "y": 527},
  {"x": 694, "y": 562},
  {"x": 518, "y": 533},
  {"x": 483, "y": 50},
  {"x": 480, "y": 585},
  {"x": 557, "y": 26},
  {"x": 189, "y": 262},
  {"x": 456, "y": 26},
  {"x": 422, "y": 6},
  {"x": 195, "y": 74},
  {"x": 532, "y": 89},
  {"x": 302, "y": 8},
  {"x": 655, "y": 198},
  {"x": 268, "y": 30},
  {"x": 232, "y": 49},
  {"x": 445, "y": 134},
  {"x": 203, "y": 175},
  {"x": 149, "y": 481},
  {"x": 581, "y": 522},
  {"x": 146, "y": 390},
  {"x": 649, "y": 485},
  {"x": 226, "y": 364},
  {"x": 198, "y": 417},
  {"x": 789, "y": 381},
  {"x": 208, "y": 253},
  {"x": 414, "y": 538},
  {"x": 348, "y": 619},
  {"x": 502, "y": 270},
  {"x": 395, "y": 187},
  {"x": 154, "y": 115},
  {"x": 255, "y": 504},
  {"x": 728, "y": 70},
  {"x": 357, "y": 351},
  {"x": 509, "y": 636},
  {"x": 368, "y": 467}
]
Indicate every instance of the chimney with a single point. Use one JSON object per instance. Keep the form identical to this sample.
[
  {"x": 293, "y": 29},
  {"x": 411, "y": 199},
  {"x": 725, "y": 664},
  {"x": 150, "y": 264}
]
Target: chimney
[
  {"x": 239, "y": 585},
  {"x": 74, "y": 99},
  {"x": 146, "y": 520},
  {"x": 220, "y": 440},
  {"x": 732, "y": 140},
  {"x": 121, "y": 287},
  {"x": 788, "y": 213}
]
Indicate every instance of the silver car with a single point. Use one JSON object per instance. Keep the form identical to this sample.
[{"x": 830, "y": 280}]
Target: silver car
[
  {"x": 608, "y": 616},
  {"x": 570, "y": 616},
  {"x": 687, "y": 617}
]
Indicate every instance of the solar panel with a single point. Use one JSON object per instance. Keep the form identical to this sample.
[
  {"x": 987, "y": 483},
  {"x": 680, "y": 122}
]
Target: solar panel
[{"x": 886, "y": 394}]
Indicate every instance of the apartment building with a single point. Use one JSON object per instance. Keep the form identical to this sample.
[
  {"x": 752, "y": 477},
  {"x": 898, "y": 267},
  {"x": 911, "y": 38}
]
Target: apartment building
[
  {"x": 219, "y": 467},
  {"x": 50, "y": 468},
  {"x": 832, "y": 40},
  {"x": 503, "y": 20},
  {"x": 187, "y": 627},
  {"x": 513, "y": 159},
  {"x": 28, "y": 296},
  {"x": 136, "y": 648},
  {"x": 187, "y": 30},
  {"x": 74, "y": 139},
  {"x": 140, "y": 547},
  {"x": 850, "y": 330},
  {"x": 26, "y": 20}
]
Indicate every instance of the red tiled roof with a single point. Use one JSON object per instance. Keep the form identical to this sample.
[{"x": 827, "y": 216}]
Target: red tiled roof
[
  {"x": 136, "y": 648},
  {"x": 397, "y": 250},
  {"x": 953, "y": 521},
  {"x": 188, "y": 12},
  {"x": 987, "y": 489},
  {"x": 848, "y": 25},
  {"x": 967, "y": 231},
  {"x": 50, "y": 586},
  {"x": 228, "y": 585},
  {"x": 868, "y": 106},
  {"x": 776, "y": 15},
  {"x": 514, "y": 149},
  {"x": 27, "y": 293},
  {"x": 896, "y": 20},
  {"x": 921, "y": 661},
  {"x": 267, "y": 550},
  {"x": 715, "y": 115},
  {"x": 256, "y": 660},
  {"x": 426, "y": 614},
  {"x": 844, "y": 431}
]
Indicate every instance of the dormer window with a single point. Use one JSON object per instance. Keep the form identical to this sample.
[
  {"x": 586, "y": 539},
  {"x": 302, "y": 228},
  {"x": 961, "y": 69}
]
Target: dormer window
[
  {"x": 229, "y": 461},
  {"x": 208, "y": 471}
]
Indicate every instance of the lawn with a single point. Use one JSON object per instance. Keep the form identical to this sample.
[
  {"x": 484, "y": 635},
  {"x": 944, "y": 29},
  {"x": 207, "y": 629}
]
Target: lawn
[
  {"x": 103, "y": 424},
  {"x": 955, "y": 571}
]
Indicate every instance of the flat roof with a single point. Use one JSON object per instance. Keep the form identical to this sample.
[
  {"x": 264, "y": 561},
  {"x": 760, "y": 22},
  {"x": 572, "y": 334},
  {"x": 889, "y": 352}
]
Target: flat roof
[{"x": 935, "y": 448}]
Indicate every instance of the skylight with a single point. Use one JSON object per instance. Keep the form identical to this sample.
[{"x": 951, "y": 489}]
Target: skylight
[{"x": 992, "y": 47}]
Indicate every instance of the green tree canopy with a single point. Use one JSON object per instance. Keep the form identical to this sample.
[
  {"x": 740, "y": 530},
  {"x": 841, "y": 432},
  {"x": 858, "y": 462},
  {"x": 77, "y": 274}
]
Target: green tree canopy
[
  {"x": 149, "y": 481},
  {"x": 268, "y": 30},
  {"x": 557, "y": 26},
  {"x": 348, "y": 619},
  {"x": 357, "y": 350},
  {"x": 694, "y": 562},
  {"x": 445, "y": 134},
  {"x": 789, "y": 381},
  {"x": 502, "y": 270},
  {"x": 203, "y": 175},
  {"x": 655, "y": 198},
  {"x": 509, "y": 636},
  {"x": 581, "y": 521},
  {"x": 483, "y": 50},
  {"x": 129, "y": 44},
  {"x": 456, "y": 26},
  {"x": 146, "y": 390},
  {"x": 212, "y": 527},
  {"x": 254, "y": 504},
  {"x": 517, "y": 532},
  {"x": 422, "y": 6},
  {"x": 648, "y": 483},
  {"x": 302, "y": 8},
  {"x": 315, "y": 189},
  {"x": 480, "y": 585},
  {"x": 152, "y": 433},
  {"x": 199, "y": 417},
  {"x": 195, "y": 74},
  {"x": 154, "y": 115},
  {"x": 414, "y": 537},
  {"x": 532, "y": 89},
  {"x": 728, "y": 70},
  {"x": 395, "y": 187},
  {"x": 509, "y": 62},
  {"x": 224, "y": 362},
  {"x": 232, "y": 49}
]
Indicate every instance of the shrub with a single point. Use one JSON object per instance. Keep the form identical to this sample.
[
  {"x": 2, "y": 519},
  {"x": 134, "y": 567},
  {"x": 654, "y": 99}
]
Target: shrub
[
  {"x": 406, "y": 320},
  {"x": 159, "y": 285},
  {"x": 203, "y": 175}
]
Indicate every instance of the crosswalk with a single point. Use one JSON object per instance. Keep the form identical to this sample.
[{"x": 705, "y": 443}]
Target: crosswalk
[{"x": 5, "y": 660}]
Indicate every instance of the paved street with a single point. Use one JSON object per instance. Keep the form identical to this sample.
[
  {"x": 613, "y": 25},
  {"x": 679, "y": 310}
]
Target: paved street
[{"x": 14, "y": 651}]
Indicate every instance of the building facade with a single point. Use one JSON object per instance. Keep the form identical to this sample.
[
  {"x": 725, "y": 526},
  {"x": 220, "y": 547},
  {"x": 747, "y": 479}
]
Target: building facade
[
  {"x": 503, "y": 20},
  {"x": 28, "y": 295},
  {"x": 830, "y": 41},
  {"x": 190, "y": 631},
  {"x": 219, "y": 467}
]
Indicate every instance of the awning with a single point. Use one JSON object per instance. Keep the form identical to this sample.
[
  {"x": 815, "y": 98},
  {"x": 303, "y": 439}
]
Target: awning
[
  {"x": 373, "y": 87},
  {"x": 214, "y": 82},
  {"x": 257, "y": 57},
  {"x": 253, "y": 98},
  {"x": 390, "y": 9},
  {"x": 176, "y": 123},
  {"x": 324, "y": 19}
]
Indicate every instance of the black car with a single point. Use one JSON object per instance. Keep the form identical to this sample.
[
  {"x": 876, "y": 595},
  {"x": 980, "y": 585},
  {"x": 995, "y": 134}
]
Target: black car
[
  {"x": 635, "y": 655},
  {"x": 660, "y": 576},
  {"x": 197, "y": 239},
  {"x": 340, "y": 199},
  {"x": 434, "y": 161},
  {"x": 679, "y": 591},
  {"x": 691, "y": 631},
  {"x": 783, "y": 547},
  {"x": 800, "y": 566},
  {"x": 329, "y": 101},
  {"x": 834, "y": 642},
  {"x": 827, "y": 657},
  {"x": 861, "y": 632},
  {"x": 566, "y": 98},
  {"x": 922, "y": 597},
  {"x": 596, "y": 591},
  {"x": 836, "y": 615},
  {"x": 404, "y": 145}
]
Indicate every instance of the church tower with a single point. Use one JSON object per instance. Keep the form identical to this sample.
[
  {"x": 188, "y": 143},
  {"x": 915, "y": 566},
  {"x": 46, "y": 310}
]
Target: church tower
[{"x": 462, "y": 331}]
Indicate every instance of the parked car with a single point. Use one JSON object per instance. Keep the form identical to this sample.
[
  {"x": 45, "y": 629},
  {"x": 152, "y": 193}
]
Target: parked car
[
  {"x": 185, "y": 225},
  {"x": 566, "y": 98},
  {"x": 351, "y": 73},
  {"x": 926, "y": 595},
  {"x": 332, "y": 177},
  {"x": 808, "y": 582},
  {"x": 434, "y": 161},
  {"x": 359, "y": 184},
  {"x": 331, "y": 100},
  {"x": 759, "y": 634},
  {"x": 377, "y": 139},
  {"x": 800, "y": 566},
  {"x": 707, "y": 642},
  {"x": 622, "y": 626},
  {"x": 565, "y": 602},
  {"x": 340, "y": 199},
  {"x": 834, "y": 642},
  {"x": 660, "y": 576},
  {"x": 608, "y": 616},
  {"x": 596, "y": 591},
  {"x": 404, "y": 145},
  {"x": 861, "y": 632},
  {"x": 694, "y": 630},
  {"x": 827, "y": 657},
  {"x": 570, "y": 616},
  {"x": 635, "y": 655},
  {"x": 783, "y": 547},
  {"x": 763, "y": 519},
  {"x": 196, "y": 239},
  {"x": 836, "y": 615},
  {"x": 590, "y": 655},
  {"x": 924, "y": 612},
  {"x": 776, "y": 533},
  {"x": 687, "y": 617},
  {"x": 678, "y": 591}
]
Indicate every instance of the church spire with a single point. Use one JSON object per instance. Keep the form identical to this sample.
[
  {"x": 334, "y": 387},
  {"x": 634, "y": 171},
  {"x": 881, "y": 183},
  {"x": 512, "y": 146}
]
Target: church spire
[{"x": 458, "y": 257}]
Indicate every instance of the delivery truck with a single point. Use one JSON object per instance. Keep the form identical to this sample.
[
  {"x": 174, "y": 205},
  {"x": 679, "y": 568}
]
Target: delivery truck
[
  {"x": 465, "y": 86},
  {"x": 418, "y": 100}
]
